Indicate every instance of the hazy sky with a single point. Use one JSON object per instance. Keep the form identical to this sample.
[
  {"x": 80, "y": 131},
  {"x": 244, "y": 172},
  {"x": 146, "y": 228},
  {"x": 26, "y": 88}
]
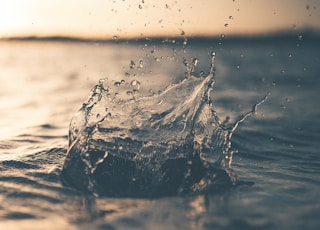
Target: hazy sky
[{"x": 123, "y": 18}]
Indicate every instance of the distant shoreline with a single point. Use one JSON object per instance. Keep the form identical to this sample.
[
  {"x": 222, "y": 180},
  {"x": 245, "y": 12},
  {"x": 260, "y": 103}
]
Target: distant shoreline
[{"x": 310, "y": 35}]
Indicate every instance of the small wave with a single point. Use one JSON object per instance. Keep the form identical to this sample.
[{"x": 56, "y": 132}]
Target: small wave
[{"x": 171, "y": 143}]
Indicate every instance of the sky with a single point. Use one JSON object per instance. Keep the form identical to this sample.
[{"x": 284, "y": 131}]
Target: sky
[{"x": 148, "y": 18}]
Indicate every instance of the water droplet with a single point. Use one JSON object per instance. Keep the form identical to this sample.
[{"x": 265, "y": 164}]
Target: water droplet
[
  {"x": 127, "y": 74},
  {"x": 222, "y": 36},
  {"x": 122, "y": 82},
  {"x": 135, "y": 91},
  {"x": 129, "y": 93},
  {"x": 230, "y": 17},
  {"x": 185, "y": 42},
  {"x": 140, "y": 6},
  {"x": 117, "y": 83},
  {"x": 182, "y": 33},
  {"x": 140, "y": 64},
  {"x": 134, "y": 83},
  {"x": 101, "y": 81},
  {"x": 185, "y": 62},
  {"x": 226, "y": 25},
  {"x": 195, "y": 61},
  {"x": 132, "y": 64},
  {"x": 138, "y": 123},
  {"x": 114, "y": 37},
  {"x": 300, "y": 37}
]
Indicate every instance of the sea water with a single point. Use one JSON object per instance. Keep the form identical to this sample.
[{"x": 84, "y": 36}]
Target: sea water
[{"x": 162, "y": 87}]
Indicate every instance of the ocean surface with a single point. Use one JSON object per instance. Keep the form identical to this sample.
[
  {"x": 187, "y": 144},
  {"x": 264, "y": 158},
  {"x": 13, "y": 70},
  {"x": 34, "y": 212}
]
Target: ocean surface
[{"x": 276, "y": 150}]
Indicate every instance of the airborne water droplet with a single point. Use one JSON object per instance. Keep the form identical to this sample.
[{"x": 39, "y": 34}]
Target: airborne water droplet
[
  {"x": 185, "y": 62},
  {"x": 132, "y": 64},
  {"x": 140, "y": 64},
  {"x": 135, "y": 83},
  {"x": 195, "y": 61},
  {"x": 185, "y": 42}
]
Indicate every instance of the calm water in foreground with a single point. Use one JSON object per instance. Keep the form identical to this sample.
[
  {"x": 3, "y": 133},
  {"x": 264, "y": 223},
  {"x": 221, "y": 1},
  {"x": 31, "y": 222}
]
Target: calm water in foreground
[{"x": 43, "y": 84}]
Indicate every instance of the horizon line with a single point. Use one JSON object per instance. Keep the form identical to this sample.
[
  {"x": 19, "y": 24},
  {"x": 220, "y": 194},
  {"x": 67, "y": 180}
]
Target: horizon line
[{"x": 276, "y": 34}]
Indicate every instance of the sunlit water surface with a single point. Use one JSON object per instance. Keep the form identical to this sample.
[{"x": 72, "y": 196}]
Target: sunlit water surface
[{"x": 43, "y": 85}]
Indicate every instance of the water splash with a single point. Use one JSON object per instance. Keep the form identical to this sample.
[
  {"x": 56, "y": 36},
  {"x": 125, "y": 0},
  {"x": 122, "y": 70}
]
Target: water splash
[{"x": 169, "y": 143}]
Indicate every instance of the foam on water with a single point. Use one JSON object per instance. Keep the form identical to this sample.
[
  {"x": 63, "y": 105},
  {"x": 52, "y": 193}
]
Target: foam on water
[{"x": 169, "y": 143}]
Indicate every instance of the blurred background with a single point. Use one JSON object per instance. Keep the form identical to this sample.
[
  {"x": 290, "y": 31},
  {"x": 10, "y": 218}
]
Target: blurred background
[{"x": 105, "y": 19}]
